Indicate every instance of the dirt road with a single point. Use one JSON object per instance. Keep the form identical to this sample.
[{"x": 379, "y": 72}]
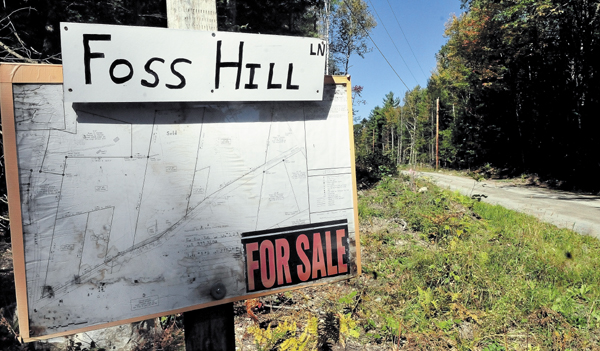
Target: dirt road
[{"x": 579, "y": 212}]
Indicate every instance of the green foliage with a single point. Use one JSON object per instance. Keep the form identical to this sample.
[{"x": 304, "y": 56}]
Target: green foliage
[
  {"x": 348, "y": 328},
  {"x": 375, "y": 158},
  {"x": 494, "y": 347},
  {"x": 285, "y": 337},
  {"x": 517, "y": 84},
  {"x": 401, "y": 132},
  {"x": 481, "y": 276},
  {"x": 521, "y": 78},
  {"x": 348, "y": 299},
  {"x": 350, "y": 25}
]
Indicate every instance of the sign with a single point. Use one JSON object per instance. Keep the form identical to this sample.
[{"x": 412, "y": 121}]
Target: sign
[
  {"x": 123, "y": 212},
  {"x": 105, "y": 63},
  {"x": 293, "y": 255}
]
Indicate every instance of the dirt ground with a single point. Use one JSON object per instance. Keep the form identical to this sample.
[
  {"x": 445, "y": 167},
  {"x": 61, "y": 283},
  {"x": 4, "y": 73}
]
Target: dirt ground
[{"x": 300, "y": 304}]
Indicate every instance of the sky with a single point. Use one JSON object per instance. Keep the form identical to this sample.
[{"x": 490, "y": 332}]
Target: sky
[{"x": 422, "y": 22}]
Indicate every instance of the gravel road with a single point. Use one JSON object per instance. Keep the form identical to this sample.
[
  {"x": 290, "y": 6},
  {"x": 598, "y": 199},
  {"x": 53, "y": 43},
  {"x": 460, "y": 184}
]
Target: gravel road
[{"x": 579, "y": 212}]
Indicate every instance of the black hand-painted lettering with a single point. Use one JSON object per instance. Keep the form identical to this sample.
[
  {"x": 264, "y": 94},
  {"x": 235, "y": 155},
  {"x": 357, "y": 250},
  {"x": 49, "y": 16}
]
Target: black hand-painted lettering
[
  {"x": 312, "y": 52},
  {"x": 179, "y": 75},
  {"x": 149, "y": 70},
  {"x": 270, "y": 84},
  {"x": 237, "y": 64},
  {"x": 289, "y": 80},
  {"x": 88, "y": 55},
  {"x": 120, "y": 80},
  {"x": 253, "y": 67},
  {"x": 321, "y": 50}
]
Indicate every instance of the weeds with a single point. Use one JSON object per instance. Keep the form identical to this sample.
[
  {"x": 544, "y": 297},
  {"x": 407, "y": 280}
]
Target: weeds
[
  {"x": 285, "y": 337},
  {"x": 443, "y": 271},
  {"x": 482, "y": 276}
]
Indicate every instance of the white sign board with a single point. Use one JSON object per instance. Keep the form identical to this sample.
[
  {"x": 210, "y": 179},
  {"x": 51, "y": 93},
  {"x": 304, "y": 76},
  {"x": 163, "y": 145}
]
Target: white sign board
[
  {"x": 105, "y": 63},
  {"x": 137, "y": 210}
]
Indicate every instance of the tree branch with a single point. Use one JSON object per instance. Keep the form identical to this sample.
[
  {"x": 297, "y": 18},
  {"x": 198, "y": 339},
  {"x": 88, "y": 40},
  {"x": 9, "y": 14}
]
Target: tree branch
[{"x": 15, "y": 54}]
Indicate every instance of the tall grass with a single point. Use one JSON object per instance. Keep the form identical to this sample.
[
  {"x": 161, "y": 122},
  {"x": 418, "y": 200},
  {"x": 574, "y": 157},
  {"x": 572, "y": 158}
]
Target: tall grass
[{"x": 445, "y": 271}]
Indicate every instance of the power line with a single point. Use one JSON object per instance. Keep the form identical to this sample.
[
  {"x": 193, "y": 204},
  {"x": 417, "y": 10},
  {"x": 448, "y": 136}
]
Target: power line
[
  {"x": 393, "y": 42},
  {"x": 405, "y": 38},
  {"x": 373, "y": 41}
]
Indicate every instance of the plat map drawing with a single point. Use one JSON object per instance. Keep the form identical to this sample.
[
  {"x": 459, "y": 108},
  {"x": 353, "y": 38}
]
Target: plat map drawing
[{"x": 133, "y": 209}]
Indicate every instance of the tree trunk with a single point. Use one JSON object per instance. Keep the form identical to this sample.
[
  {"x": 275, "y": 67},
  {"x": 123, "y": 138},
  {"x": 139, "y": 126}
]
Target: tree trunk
[
  {"x": 400, "y": 150},
  {"x": 413, "y": 156},
  {"x": 431, "y": 144},
  {"x": 373, "y": 141},
  {"x": 392, "y": 130}
]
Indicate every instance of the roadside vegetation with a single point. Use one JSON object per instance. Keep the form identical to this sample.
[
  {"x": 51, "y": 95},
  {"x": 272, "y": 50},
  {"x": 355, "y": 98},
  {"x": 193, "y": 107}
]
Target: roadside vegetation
[
  {"x": 477, "y": 276},
  {"x": 444, "y": 271},
  {"x": 516, "y": 85}
]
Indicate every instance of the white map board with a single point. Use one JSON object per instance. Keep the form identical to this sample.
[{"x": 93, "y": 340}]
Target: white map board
[{"x": 137, "y": 209}]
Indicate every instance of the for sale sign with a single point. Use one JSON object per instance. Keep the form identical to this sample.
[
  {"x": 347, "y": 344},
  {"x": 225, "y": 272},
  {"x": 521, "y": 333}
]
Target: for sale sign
[{"x": 295, "y": 255}]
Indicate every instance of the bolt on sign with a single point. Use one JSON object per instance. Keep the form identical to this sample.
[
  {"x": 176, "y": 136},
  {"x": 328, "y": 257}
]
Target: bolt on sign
[{"x": 132, "y": 210}]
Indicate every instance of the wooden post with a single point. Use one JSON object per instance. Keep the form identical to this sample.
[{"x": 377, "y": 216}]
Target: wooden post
[
  {"x": 192, "y": 14},
  {"x": 437, "y": 135},
  {"x": 208, "y": 329}
]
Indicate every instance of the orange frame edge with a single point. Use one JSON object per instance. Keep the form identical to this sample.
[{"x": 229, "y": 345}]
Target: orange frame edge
[
  {"x": 10, "y": 74},
  {"x": 52, "y": 74}
]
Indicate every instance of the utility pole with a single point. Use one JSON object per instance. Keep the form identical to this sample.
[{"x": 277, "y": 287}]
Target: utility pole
[
  {"x": 437, "y": 135},
  {"x": 212, "y": 328}
]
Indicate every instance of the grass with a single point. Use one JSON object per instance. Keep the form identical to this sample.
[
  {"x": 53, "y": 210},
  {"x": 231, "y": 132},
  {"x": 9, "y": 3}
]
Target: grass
[
  {"x": 442, "y": 271},
  {"x": 472, "y": 276}
]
